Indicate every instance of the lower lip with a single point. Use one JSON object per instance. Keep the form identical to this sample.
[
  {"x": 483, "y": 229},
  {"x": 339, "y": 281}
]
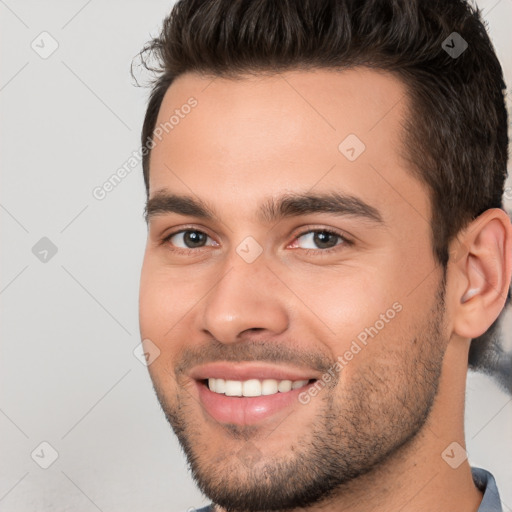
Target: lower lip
[{"x": 242, "y": 410}]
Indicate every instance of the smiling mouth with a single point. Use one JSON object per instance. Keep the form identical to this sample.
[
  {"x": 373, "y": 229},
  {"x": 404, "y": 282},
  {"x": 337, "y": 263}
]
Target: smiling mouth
[{"x": 253, "y": 387}]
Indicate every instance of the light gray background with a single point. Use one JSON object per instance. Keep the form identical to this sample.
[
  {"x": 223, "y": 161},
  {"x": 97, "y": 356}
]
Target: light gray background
[{"x": 69, "y": 325}]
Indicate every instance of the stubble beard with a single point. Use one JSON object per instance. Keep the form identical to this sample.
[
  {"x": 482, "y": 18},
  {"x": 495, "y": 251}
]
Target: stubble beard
[{"x": 356, "y": 429}]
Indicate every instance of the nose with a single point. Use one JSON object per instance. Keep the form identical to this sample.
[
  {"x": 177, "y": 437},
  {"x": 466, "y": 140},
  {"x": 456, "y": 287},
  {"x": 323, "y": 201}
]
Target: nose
[{"x": 246, "y": 297}]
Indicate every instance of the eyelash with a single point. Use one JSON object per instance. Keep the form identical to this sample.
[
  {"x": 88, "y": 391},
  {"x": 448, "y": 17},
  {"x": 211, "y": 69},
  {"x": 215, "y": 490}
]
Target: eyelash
[{"x": 315, "y": 252}]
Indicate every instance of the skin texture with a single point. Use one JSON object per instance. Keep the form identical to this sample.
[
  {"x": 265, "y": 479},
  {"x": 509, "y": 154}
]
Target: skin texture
[{"x": 373, "y": 437}]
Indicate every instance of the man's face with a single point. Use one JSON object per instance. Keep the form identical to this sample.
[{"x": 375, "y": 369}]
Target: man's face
[{"x": 343, "y": 298}]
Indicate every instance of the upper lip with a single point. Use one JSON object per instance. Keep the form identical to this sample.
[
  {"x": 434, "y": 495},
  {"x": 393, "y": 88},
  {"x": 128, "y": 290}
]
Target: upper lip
[{"x": 247, "y": 371}]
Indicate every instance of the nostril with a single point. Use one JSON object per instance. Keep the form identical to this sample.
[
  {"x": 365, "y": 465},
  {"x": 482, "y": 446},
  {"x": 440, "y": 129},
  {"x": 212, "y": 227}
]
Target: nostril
[{"x": 255, "y": 329}]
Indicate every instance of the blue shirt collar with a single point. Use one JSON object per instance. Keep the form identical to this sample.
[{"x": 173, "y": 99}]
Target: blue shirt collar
[{"x": 491, "y": 501}]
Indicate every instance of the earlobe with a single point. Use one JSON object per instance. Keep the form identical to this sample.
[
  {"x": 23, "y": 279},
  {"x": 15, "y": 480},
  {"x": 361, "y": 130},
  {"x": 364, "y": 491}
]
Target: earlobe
[{"x": 485, "y": 271}]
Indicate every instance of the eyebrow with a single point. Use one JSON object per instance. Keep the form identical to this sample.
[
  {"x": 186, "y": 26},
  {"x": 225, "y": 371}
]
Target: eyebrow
[{"x": 272, "y": 210}]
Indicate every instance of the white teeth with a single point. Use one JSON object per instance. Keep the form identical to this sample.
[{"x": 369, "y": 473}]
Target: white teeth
[
  {"x": 233, "y": 388},
  {"x": 253, "y": 387},
  {"x": 220, "y": 385},
  {"x": 299, "y": 383},
  {"x": 284, "y": 386},
  {"x": 269, "y": 387}
]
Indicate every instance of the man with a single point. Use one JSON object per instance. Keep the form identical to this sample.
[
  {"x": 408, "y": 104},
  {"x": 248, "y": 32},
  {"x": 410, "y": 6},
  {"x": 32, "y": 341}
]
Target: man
[{"x": 326, "y": 238}]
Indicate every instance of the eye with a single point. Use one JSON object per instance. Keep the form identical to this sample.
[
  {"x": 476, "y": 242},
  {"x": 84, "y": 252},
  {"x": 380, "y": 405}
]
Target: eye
[
  {"x": 320, "y": 239},
  {"x": 188, "y": 239}
]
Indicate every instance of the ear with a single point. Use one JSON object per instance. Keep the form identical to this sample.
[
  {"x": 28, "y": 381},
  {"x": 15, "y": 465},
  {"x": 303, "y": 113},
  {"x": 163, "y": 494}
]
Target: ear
[{"x": 482, "y": 257}]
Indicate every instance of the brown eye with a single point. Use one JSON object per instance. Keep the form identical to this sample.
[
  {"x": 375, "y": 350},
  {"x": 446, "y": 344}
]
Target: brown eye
[
  {"x": 188, "y": 239},
  {"x": 319, "y": 239}
]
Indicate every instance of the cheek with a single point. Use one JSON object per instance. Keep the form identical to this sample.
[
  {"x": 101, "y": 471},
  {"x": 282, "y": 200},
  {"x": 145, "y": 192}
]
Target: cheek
[
  {"x": 156, "y": 323},
  {"x": 158, "y": 313},
  {"x": 153, "y": 305},
  {"x": 346, "y": 301},
  {"x": 165, "y": 297}
]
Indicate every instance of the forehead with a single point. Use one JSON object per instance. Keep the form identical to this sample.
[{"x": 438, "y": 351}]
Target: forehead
[{"x": 258, "y": 135}]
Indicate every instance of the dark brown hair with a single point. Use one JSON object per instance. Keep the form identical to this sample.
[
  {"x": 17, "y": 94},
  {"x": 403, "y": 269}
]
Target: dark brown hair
[{"x": 455, "y": 136}]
